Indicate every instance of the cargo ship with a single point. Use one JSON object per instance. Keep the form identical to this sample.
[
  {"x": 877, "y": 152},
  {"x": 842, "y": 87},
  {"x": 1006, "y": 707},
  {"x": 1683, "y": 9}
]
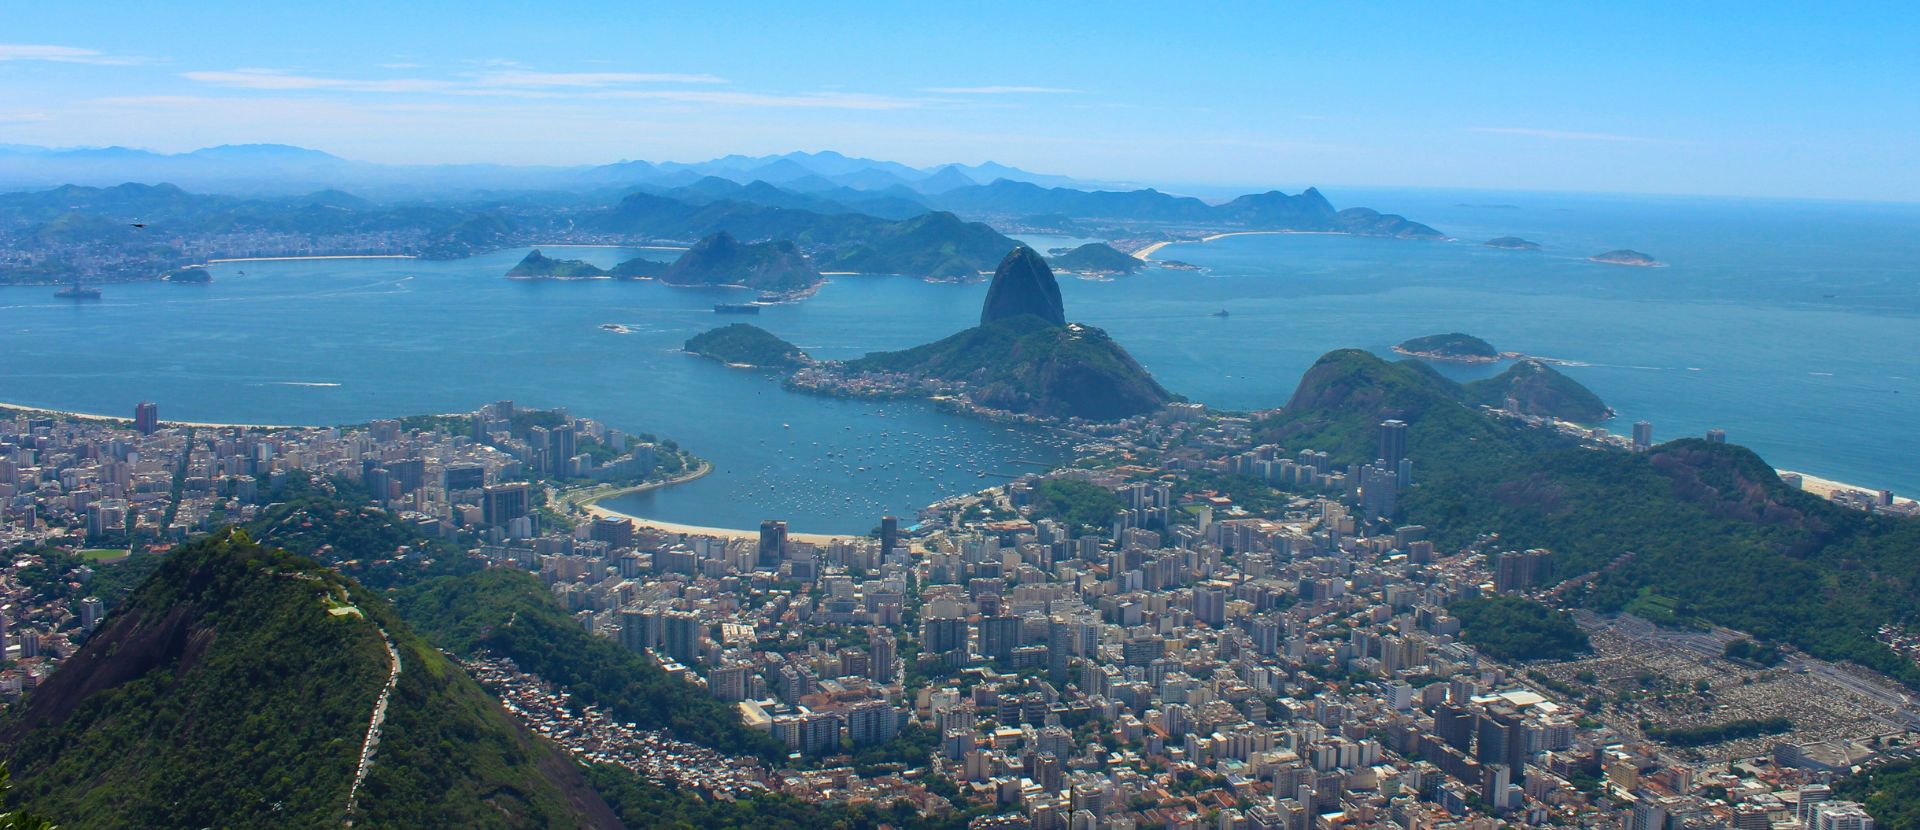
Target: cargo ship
[
  {"x": 735, "y": 308},
  {"x": 76, "y": 291}
]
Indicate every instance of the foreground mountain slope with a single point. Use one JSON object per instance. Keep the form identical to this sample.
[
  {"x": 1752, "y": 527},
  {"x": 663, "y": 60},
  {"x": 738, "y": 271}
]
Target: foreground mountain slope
[
  {"x": 1708, "y": 529},
  {"x": 235, "y": 688}
]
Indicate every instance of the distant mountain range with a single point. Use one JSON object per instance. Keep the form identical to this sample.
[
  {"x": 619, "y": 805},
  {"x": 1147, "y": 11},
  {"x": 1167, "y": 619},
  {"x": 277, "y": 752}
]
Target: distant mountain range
[
  {"x": 822, "y": 182},
  {"x": 847, "y": 214},
  {"x": 282, "y": 169}
]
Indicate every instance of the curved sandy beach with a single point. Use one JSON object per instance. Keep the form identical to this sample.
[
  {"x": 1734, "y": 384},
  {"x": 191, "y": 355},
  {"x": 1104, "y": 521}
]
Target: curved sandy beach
[
  {"x": 589, "y": 502},
  {"x": 115, "y": 419},
  {"x": 1146, "y": 254}
]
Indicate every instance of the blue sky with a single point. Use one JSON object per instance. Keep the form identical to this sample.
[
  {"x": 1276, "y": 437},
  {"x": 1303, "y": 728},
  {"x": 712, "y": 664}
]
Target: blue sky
[{"x": 1696, "y": 98}]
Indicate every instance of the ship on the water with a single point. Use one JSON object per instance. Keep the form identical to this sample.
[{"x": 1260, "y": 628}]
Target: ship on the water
[
  {"x": 76, "y": 291},
  {"x": 735, "y": 308}
]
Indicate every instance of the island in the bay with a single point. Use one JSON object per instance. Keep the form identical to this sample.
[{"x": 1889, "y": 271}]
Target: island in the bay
[
  {"x": 1512, "y": 243},
  {"x": 538, "y": 266},
  {"x": 1454, "y": 346},
  {"x": 718, "y": 260},
  {"x": 1098, "y": 258},
  {"x": 748, "y": 346},
  {"x": 1624, "y": 256},
  {"x": 1024, "y": 359}
]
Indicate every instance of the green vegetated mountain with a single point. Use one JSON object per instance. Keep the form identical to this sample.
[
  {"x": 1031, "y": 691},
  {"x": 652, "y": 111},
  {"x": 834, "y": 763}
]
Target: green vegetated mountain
[
  {"x": 937, "y": 245},
  {"x": 1273, "y": 210},
  {"x": 1024, "y": 357},
  {"x": 932, "y": 244},
  {"x": 1692, "y": 530},
  {"x": 1031, "y": 366},
  {"x": 745, "y": 344},
  {"x": 462, "y": 607},
  {"x": 1452, "y": 346},
  {"x": 235, "y": 687},
  {"x": 1098, "y": 258},
  {"x": 1531, "y": 387},
  {"x": 536, "y": 265},
  {"x": 722, "y": 260}
]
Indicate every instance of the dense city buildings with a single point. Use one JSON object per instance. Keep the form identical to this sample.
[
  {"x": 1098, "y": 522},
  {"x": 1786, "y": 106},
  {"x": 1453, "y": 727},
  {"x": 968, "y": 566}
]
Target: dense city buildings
[{"x": 1165, "y": 652}]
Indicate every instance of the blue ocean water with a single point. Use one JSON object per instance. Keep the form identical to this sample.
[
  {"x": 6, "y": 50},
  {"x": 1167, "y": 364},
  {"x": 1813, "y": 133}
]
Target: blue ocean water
[{"x": 1794, "y": 326}]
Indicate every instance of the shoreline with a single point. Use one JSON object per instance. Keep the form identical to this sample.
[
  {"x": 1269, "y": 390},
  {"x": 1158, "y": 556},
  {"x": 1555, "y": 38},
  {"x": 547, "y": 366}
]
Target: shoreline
[
  {"x": 115, "y": 419},
  {"x": 1447, "y": 358},
  {"x": 1146, "y": 254},
  {"x": 1826, "y": 487},
  {"x": 592, "y": 507},
  {"x": 304, "y": 258}
]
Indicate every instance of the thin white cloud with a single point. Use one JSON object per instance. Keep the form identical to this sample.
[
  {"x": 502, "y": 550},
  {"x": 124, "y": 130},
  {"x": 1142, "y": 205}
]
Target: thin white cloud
[
  {"x": 553, "y": 85},
  {"x": 529, "y": 79},
  {"x": 61, "y": 54},
  {"x": 1556, "y": 135},
  {"x": 810, "y": 100},
  {"x": 999, "y": 90},
  {"x": 271, "y": 79}
]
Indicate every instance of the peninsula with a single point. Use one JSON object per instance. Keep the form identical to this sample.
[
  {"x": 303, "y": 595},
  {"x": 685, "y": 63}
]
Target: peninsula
[
  {"x": 1024, "y": 359},
  {"x": 538, "y": 266}
]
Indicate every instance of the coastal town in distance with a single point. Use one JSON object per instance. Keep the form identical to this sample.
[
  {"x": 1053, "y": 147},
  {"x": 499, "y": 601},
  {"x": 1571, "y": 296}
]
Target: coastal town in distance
[{"x": 990, "y": 416}]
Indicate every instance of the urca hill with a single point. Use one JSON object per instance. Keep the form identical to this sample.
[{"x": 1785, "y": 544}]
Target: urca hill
[{"x": 1025, "y": 357}]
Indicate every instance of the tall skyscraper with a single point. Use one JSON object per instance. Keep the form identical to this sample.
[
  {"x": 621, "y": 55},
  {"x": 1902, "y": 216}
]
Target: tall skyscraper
[
  {"x": 889, "y": 534},
  {"x": 882, "y": 651},
  {"x": 146, "y": 417},
  {"x": 773, "y": 543},
  {"x": 502, "y": 503},
  {"x": 681, "y": 636},
  {"x": 1393, "y": 443},
  {"x": 1716, "y": 436},
  {"x": 1642, "y": 435},
  {"x": 560, "y": 448}
]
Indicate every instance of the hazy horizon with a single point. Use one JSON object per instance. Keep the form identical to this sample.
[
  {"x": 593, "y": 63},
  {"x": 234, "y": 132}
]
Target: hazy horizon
[{"x": 1555, "y": 100}]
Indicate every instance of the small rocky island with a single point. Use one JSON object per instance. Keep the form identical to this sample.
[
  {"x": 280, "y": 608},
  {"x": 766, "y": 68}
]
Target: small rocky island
[
  {"x": 1097, "y": 258},
  {"x": 747, "y": 346},
  {"x": 1454, "y": 347},
  {"x": 1626, "y": 257},
  {"x": 1512, "y": 243}
]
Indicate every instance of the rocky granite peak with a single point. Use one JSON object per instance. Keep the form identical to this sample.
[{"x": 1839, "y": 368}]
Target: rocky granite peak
[{"x": 1023, "y": 284}]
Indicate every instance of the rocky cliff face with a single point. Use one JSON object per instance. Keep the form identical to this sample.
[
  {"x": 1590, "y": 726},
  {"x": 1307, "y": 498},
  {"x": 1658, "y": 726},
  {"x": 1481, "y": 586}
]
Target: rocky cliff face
[{"x": 1023, "y": 284}]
